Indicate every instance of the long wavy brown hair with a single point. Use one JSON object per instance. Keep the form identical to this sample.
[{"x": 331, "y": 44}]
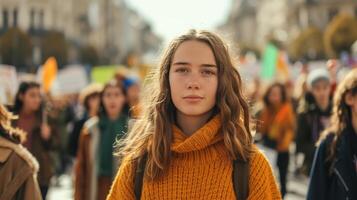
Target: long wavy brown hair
[
  {"x": 152, "y": 132},
  {"x": 342, "y": 113},
  {"x": 6, "y": 129}
]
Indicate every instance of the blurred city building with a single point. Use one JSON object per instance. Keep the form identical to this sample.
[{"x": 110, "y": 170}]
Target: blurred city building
[
  {"x": 107, "y": 29},
  {"x": 253, "y": 23}
]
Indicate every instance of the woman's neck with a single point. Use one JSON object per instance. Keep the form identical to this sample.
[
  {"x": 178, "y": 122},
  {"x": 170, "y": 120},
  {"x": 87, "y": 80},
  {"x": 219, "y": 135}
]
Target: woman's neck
[
  {"x": 190, "y": 124},
  {"x": 92, "y": 113},
  {"x": 26, "y": 112},
  {"x": 113, "y": 116},
  {"x": 323, "y": 105},
  {"x": 276, "y": 107}
]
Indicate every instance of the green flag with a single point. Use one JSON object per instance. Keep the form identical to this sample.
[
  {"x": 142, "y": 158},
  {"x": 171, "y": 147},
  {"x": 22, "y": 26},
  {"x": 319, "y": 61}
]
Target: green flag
[
  {"x": 103, "y": 74},
  {"x": 269, "y": 61}
]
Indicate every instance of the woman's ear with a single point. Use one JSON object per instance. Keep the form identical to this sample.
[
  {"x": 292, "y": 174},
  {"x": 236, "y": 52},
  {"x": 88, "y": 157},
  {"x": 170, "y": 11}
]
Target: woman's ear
[
  {"x": 349, "y": 99},
  {"x": 21, "y": 97}
]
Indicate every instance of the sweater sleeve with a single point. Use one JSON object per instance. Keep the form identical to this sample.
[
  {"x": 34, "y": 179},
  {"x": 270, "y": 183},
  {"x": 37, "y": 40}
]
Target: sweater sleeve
[
  {"x": 262, "y": 183},
  {"x": 123, "y": 185}
]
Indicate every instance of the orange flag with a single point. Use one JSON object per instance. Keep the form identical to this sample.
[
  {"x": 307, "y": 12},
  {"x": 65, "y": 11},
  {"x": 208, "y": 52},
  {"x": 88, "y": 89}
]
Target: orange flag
[
  {"x": 49, "y": 73},
  {"x": 281, "y": 64}
]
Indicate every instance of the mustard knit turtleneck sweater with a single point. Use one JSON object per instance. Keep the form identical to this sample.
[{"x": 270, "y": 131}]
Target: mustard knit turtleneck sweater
[{"x": 200, "y": 169}]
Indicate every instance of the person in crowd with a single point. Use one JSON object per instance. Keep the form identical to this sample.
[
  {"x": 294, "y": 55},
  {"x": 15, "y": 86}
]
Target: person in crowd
[
  {"x": 193, "y": 140},
  {"x": 63, "y": 116},
  {"x": 90, "y": 99},
  {"x": 96, "y": 166},
  {"x": 254, "y": 93},
  {"x": 42, "y": 138},
  {"x": 133, "y": 94},
  {"x": 277, "y": 127},
  {"x": 334, "y": 170},
  {"x": 333, "y": 67},
  {"x": 300, "y": 88},
  {"x": 18, "y": 168},
  {"x": 313, "y": 116},
  {"x": 289, "y": 88}
]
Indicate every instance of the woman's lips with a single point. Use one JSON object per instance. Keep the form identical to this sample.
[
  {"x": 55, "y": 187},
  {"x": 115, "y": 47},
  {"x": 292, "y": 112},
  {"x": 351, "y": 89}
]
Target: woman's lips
[{"x": 193, "y": 98}]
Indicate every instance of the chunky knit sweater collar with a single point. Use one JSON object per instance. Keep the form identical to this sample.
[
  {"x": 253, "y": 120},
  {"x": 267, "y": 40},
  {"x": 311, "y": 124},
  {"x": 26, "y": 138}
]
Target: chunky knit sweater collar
[
  {"x": 199, "y": 169},
  {"x": 204, "y": 137}
]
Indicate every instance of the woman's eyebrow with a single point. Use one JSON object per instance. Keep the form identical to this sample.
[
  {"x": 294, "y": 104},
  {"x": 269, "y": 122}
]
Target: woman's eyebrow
[
  {"x": 209, "y": 65},
  {"x": 181, "y": 63},
  {"x": 187, "y": 63}
]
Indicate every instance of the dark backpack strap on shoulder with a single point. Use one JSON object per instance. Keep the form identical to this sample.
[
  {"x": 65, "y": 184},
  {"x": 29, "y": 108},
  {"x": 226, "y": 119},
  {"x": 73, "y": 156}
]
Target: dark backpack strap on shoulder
[
  {"x": 139, "y": 176},
  {"x": 241, "y": 179}
]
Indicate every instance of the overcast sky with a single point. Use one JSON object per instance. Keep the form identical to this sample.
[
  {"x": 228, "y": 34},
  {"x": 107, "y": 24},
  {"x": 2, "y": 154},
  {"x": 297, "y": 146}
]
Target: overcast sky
[{"x": 172, "y": 17}]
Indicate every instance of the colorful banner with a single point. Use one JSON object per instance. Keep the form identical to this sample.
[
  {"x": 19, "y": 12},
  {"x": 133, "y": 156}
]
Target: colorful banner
[
  {"x": 269, "y": 61},
  {"x": 102, "y": 74},
  {"x": 49, "y": 73},
  {"x": 8, "y": 83},
  {"x": 70, "y": 80}
]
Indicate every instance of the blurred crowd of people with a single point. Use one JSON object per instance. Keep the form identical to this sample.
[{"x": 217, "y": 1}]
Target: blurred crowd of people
[
  {"x": 76, "y": 134},
  {"x": 62, "y": 132},
  {"x": 293, "y": 123}
]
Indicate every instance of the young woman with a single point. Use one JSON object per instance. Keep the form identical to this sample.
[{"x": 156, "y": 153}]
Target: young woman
[
  {"x": 313, "y": 115},
  {"x": 90, "y": 99},
  {"x": 42, "y": 138},
  {"x": 133, "y": 93},
  {"x": 194, "y": 128},
  {"x": 96, "y": 166},
  {"x": 277, "y": 128},
  {"x": 18, "y": 168},
  {"x": 334, "y": 172}
]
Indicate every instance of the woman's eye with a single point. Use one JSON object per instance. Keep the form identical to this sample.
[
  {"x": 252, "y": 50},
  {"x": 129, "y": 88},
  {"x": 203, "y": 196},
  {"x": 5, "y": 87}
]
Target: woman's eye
[
  {"x": 182, "y": 70},
  {"x": 208, "y": 72}
]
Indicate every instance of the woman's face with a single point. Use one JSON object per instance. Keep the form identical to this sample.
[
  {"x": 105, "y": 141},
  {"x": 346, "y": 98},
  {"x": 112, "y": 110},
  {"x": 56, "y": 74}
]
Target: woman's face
[
  {"x": 93, "y": 103},
  {"x": 275, "y": 97},
  {"x": 133, "y": 93},
  {"x": 31, "y": 99},
  {"x": 193, "y": 78},
  {"x": 321, "y": 92},
  {"x": 113, "y": 100}
]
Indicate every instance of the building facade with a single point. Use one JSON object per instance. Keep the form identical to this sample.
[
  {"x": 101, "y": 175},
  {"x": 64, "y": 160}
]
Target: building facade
[
  {"x": 110, "y": 26},
  {"x": 253, "y": 22}
]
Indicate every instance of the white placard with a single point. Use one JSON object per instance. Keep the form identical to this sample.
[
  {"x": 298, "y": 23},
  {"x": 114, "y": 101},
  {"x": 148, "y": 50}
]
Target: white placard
[
  {"x": 8, "y": 83},
  {"x": 70, "y": 80}
]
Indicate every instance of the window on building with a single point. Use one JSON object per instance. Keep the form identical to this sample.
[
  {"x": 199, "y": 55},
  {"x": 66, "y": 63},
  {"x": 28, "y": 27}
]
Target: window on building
[
  {"x": 332, "y": 13},
  {"x": 5, "y": 18},
  {"x": 32, "y": 19},
  {"x": 15, "y": 13},
  {"x": 41, "y": 25}
]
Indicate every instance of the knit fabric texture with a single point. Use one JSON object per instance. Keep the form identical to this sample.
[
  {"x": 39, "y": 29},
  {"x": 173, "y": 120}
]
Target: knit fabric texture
[{"x": 200, "y": 169}]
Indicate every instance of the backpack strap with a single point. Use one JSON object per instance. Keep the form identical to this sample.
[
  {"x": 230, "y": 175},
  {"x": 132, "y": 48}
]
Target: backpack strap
[
  {"x": 241, "y": 179},
  {"x": 139, "y": 176}
]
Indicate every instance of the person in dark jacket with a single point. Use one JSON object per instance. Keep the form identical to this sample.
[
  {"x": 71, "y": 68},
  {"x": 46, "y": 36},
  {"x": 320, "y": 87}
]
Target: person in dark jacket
[
  {"x": 334, "y": 170},
  {"x": 313, "y": 116}
]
